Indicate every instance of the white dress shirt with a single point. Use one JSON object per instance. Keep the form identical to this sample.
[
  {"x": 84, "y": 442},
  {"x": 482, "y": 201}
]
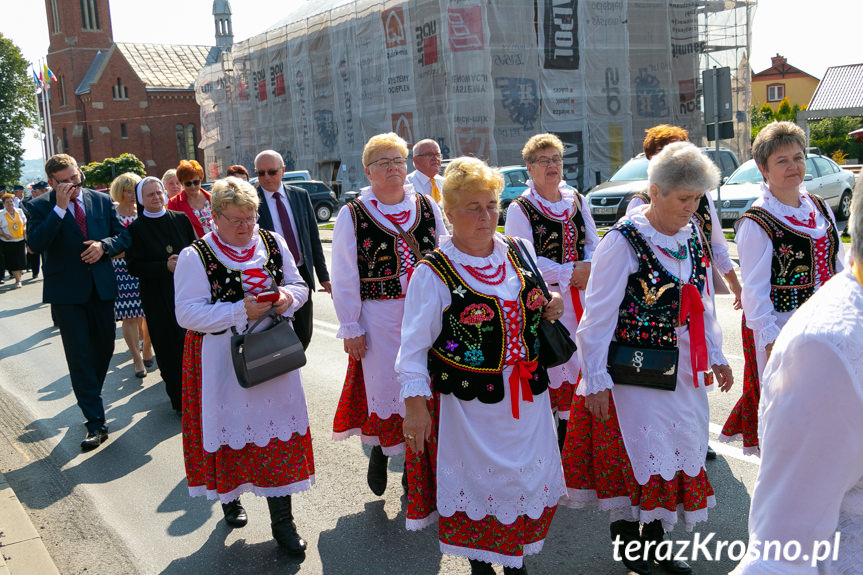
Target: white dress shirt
[
  {"x": 422, "y": 183},
  {"x": 277, "y": 222}
]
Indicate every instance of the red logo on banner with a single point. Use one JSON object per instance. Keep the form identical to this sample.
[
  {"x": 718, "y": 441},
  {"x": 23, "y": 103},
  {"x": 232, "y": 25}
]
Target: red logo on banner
[
  {"x": 429, "y": 50},
  {"x": 262, "y": 90},
  {"x": 403, "y": 125},
  {"x": 280, "y": 85},
  {"x": 394, "y": 27},
  {"x": 465, "y": 28},
  {"x": 471, "y": 142},
  {"x": 242, "y": 90}
]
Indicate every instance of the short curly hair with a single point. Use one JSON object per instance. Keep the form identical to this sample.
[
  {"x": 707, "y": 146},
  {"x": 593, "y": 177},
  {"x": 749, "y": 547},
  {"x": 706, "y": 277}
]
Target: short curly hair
[
  {"x": 660, "y": 136},
  {"x": 123, "y": 182},
  {"x": 682, "y": 166},
  {"x": 233, "y": 191},
  {"x": 540, "y": 142},
  {"x": 189, "y": 170},
  {"x": 381, "y": 142},
  {"x": 774, "y": 136},
  {"x": 466, "y": 176}
]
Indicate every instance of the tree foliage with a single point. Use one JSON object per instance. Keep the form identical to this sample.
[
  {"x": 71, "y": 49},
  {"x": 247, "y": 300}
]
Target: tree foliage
[
  {"x": 765, "y": 114},
  {"x": 103, "y": 173},
  {"x": 17, "y": 109},
  {"x": 831, "y": 136}
]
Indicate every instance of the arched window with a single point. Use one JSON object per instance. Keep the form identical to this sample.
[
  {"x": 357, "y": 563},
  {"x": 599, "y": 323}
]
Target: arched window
[
  {"x": 55, "y": 17},
  {"x": 191, "y": 142},
  {"x": 119, "y": 91},
  {"x": 89, "y": 15},
  {"x": 180, "y": 137}
]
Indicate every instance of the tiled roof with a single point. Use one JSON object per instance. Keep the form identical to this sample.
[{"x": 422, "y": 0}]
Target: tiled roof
[
  {"x": 168, "y": 66},
  {"x": 842, "y": 87}
]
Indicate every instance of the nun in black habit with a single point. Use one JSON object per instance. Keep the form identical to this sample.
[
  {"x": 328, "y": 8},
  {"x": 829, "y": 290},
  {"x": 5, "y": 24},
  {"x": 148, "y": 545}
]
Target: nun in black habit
[{"x": 158, "y": 236}]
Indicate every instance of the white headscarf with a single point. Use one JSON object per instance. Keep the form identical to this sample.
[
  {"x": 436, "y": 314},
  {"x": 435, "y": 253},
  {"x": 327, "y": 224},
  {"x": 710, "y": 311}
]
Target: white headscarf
[{"x": 139, "y": 193}]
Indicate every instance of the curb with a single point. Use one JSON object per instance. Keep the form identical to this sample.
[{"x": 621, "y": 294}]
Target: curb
[{"x": 22, "y": 551}]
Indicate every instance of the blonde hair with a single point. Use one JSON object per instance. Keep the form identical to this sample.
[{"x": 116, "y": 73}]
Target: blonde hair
[
  {"x": 540, "y": 142},
  {"x": 123, "y": 182},
  {"x": 233, "y": 191},
  {"x": 467, "y": 176},
  {"x": 382, "y": 142},
  {"x": 172, "y": 173}
]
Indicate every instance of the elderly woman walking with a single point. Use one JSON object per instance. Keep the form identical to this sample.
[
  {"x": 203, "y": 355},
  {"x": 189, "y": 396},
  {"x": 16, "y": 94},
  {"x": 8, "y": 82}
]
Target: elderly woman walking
[{"x": 638, "y": 433}]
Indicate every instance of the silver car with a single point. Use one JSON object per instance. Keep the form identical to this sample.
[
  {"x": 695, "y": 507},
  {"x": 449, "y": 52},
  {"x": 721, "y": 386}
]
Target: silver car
[{"x": 823, "y": 177}]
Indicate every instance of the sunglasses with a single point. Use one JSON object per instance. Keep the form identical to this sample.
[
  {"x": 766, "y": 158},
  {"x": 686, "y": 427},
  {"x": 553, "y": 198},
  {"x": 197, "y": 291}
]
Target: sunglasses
[
  {"x": 192, "y": 183},
  {"x": 262, "y": 173}
]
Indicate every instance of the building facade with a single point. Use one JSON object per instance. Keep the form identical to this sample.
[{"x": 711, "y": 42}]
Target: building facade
[{"x": 782, "y": 80}]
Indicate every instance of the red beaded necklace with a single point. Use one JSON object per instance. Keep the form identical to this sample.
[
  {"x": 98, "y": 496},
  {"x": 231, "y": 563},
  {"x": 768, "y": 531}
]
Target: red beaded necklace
[
  {"x": 234, "y": 255},
  {"x": 400, "y": 218},
  {"x": 489, "y": 279},
  {"x": 547, "y": 211}
]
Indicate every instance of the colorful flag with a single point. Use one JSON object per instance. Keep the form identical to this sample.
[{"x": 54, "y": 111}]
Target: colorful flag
[
  {"x": 36, "y": 78},
  {"x": 49, "y": 74}
]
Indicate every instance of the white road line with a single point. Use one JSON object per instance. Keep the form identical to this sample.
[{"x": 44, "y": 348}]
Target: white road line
[{"x": 729, "y": 450}]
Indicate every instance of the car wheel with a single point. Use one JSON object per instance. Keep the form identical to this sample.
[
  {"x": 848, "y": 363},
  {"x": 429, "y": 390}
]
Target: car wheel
[
  {"x": 323, "y": 212},
  {"x": 844, "y": 211}
]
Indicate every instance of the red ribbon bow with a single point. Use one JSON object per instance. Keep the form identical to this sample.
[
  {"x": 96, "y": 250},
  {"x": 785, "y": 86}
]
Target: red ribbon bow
[
  {"x": 691, "y": 306},
  {"x": 519, "y": 379}
]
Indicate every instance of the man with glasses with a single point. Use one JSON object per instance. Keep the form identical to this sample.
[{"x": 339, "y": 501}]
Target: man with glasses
[
  {"x": 426, "y": 178},
  {"x": 79, "y": 232},
  {"x": 287, "y": 210}
]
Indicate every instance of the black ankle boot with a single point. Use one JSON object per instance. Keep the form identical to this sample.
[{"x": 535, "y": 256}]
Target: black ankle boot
[
  {"x": 628, "y": 531},
  {"x": 377, "y": 474},
  {"x": 561, "y": 433},
  {"x": 478, "y": 567},
  {"x": 235, "y": 515},
  {"x": 654, "y": 532},
  {"x": 284, "y": 528},
  {"x": 405, "y": 476},
  {"x": 515, "y": 570}
]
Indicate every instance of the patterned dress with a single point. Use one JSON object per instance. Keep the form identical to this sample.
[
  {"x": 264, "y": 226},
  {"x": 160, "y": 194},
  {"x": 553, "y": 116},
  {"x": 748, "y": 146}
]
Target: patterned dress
[{"x": 128, "y": 302}]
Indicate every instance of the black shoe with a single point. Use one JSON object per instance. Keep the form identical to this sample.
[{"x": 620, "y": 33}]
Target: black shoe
[
  {"x": 235, "y": 515},
  {"x": 94, "y": 439},
  {"x": 149, "y": 362},
  {"x": 283, "y": 526},
  {"x": 478, "y": 567},
  {"x": 628, "y": 531},
  {"x": 377, "y": 474},
  {"x": 515, "y": 570},
  {"x": 405, "y": 476},
  {"x": 561, "y": 433},
  {"x": 653, "y": 531},
  {"x": 710, "y": 453}
]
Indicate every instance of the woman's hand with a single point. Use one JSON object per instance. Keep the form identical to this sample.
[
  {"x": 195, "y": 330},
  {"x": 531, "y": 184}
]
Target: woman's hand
[
  {"x": 734, "y": 286},
  {"x": 172, "y": 262},
  {"x": 769, "y": 349},
  {"x": 580, "y": 275},
  {"x": 597, "y": 404},
  {"x": 553, "y": 309},
  {"x": 417, "y": 423},
  {"x": 283, "y": 303},
  {"x": 355, "y": 347},
  {"x": 724, "y": 377},
  {"x": 255, "y": 309}
]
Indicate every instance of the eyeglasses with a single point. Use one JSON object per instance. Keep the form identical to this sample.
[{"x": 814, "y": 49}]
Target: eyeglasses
[
  {"x": 388, "y": 163},
  {"x": 237, "y": 222},
  {"x": 262, "y": 173},
  {"x": 429, "y": 155},
  {"x": 192, "y": 183},
  {"x": 546, "y": 162}
]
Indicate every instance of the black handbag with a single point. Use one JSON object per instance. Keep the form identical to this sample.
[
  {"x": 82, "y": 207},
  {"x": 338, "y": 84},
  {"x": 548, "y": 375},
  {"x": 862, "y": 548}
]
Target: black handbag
[
  {"x": 259, "y": 357},
  {"x": 555, "y": 343},
  {"x": 643, "y": 366}
]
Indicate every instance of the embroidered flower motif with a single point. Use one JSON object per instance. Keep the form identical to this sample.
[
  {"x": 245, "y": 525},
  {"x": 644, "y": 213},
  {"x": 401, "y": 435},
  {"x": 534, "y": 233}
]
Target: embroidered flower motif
[
  {"x": 535, "y": 299},
  {"x": 475, "y": 314},
  {"x": 540, "y": 230},
  {"x": 444, "y": 376},
  {"x": 473, "y": 357},
  {"x": 465, "y": 384},
  {"x": 490, "y": 387},
  {"x": 367, "y": 243},
  {"x": 459, "y": 291},
  {"x": 785, "y": 250},
  {"x": 451, "y": 345}
]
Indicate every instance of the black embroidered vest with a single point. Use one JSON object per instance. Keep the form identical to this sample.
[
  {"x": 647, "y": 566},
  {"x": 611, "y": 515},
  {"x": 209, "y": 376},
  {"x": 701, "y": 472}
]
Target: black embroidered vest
[
  {"x": 378, "y": 256},
  {"x": 226, "y": 284},
  {"x": 792, "y": 271},
  {"x": 649, "y": 312},
  {"x": 467, "y": 358},
  {"x": 549, "y": 234},
  {"x": 701, "y": 216}
]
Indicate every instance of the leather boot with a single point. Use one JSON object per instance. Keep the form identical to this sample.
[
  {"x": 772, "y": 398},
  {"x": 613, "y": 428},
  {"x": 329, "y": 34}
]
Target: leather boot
[
  {"x": 653, "y": 531},
  {"x": 628, "y": 531},
  {"x": 235, "y": 515},
  {"x": 515, "y": 570},
  {"x": 561, "y": 433},
  {"x": 478, "y": 567},
  {"x": 377, "y": 474},
  {"x": 284, "y": 528}
]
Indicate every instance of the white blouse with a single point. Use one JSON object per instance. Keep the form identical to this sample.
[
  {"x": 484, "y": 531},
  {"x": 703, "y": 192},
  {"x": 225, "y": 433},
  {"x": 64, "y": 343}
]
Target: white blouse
[{"x": 4, "y": 224}]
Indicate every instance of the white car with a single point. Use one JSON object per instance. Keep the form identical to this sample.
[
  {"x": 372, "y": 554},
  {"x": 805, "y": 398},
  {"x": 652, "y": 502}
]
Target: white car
[{"x": 823, "y": 177}]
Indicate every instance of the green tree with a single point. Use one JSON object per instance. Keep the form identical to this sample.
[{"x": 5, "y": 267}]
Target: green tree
[
  {"x": 17, "y": 109},
  {"x": 830, "y": 135},
  {"x": 103, "y": 173}
]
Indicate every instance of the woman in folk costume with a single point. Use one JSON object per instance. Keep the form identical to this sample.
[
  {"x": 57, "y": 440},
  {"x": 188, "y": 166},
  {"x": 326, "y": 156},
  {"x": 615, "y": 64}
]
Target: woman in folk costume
[
  {"x": 483, "y": 458},
  {"x": 639, "y": 451},
  {"x": 788, "y": 246},
  {"x": 238, "y": 440},
  {"x": 552, "y": 217},
  {"x": 377, "y": 240}
]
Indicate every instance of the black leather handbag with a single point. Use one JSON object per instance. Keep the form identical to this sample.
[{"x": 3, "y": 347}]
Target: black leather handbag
[
  {"x": 555, "y": 343},
  {"x": 259, "y": 357},
  {"x": 643, "y": 366}
]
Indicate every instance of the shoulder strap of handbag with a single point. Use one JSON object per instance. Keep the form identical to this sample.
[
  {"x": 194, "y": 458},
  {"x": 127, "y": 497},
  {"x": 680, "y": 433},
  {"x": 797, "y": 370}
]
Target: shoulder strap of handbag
[
  {"x": 528, "y": 262},
  {"x": 411, "y": 242}
]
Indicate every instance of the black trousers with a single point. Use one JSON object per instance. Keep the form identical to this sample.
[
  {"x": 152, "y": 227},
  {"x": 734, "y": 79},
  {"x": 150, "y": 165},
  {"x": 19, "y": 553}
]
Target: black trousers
[
  {"x": 33, "y": 263},
  {"x": 168, "y": 338},
  {"x": 303, "y": 317},
  {"x": 88, "y": 332}
]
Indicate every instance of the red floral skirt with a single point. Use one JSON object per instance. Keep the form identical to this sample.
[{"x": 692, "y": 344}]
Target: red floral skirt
[
  {"x": 353, "y": 418},
  {"x": 277, "y": 469},
  {"x": 561, "y": 399},
  {"x": 597, "y": 469},
  {"x": 742, "y": 423}
]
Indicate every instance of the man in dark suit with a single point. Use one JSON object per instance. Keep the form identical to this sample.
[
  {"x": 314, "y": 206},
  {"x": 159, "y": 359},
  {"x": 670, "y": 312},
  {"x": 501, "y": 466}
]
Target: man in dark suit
[
  {"x": 34, "y": 260},
  {"x": 287, "y": 210},
  {"x": 78, "y": 231}
]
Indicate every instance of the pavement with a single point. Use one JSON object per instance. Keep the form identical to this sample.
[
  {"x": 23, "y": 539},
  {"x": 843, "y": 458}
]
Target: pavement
[{"x": 22, "y": 551}]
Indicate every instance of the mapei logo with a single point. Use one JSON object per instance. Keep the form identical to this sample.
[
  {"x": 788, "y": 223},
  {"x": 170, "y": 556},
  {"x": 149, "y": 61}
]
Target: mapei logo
[
  {"x": 519, "y": 97},
  {"x": 403, "y": 125},
  {"x": 465, "y": 28},
  {"x": 472, "y": 142},
  {"x": 394, "y": 27}
]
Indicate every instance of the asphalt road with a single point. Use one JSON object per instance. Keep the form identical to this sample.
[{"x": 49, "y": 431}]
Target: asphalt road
[{"x": 125, "y": 508}]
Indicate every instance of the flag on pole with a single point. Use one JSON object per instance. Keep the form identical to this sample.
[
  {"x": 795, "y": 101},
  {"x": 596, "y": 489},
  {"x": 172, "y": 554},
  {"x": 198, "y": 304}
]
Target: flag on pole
[
  {"x": 36, "y": 78},
  {"x": 49, "y": 75}
]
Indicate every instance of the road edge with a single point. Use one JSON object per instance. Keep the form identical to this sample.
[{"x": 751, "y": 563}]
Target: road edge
[{"x": 22, "y": 550}]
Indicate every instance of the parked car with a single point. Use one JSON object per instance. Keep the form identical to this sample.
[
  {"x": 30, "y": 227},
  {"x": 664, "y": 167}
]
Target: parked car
[
  {"x": 514, "y": 184},
  {"x": 294, "y": 176},
  {"x": 608, "y": 201},
  {"x": 823, "y": 177},
  {"x": 324, "y": 200}
]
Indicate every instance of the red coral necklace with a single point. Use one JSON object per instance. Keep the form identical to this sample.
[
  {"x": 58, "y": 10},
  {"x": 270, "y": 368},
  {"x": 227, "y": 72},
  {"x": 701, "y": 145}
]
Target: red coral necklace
[
  {"x": 234, "y": 255},
  {"x": 487, "y": 278}
]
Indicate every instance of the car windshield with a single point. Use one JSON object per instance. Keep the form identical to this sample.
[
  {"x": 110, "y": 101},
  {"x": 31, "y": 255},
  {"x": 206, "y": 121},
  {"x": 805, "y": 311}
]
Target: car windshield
[
  {"x": 748, "y": 173},
  {"x": 634, "y": 169}
]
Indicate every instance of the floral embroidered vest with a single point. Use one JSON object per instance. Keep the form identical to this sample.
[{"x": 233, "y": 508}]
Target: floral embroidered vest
[
  {"x": 226, "y": 284},
  {"x": 549, "y": 235},
  {"x": 467, "y": 358},
  {"x": 701, "y": 216},
  {"x": 792, "y": 271},
  {"x": 378, "y": 257},
  {"x": 649, "y": 312}
]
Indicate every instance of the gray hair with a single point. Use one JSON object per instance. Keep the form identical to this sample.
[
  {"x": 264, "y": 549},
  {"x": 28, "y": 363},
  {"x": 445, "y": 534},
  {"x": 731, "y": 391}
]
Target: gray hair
[
  {"x": 775, "y": 136},
  {"x": 426, "y": 142},
  {"x": 270, "y": 154},
  {"x": 682, "y": 166},
  {"x": 855, "y": 222},
  {"x": 172, "y": 173}
]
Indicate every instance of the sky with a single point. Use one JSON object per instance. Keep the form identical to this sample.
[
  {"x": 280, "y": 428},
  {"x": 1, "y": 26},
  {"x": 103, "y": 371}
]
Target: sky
[{"x": 812, "y": 35}]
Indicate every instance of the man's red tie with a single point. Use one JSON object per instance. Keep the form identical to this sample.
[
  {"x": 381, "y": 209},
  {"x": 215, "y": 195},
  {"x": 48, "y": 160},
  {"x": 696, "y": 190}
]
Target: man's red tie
[
  {"x": 80, "y": 217},
  {"x": 287, "y": 230}
]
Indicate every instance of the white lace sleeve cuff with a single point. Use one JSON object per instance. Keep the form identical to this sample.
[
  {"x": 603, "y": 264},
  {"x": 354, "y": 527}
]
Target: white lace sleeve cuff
[
  {"x": 595, "y": 383},
  {"x": 414, "y": 385},
  {"x": 716, "y": 357},
  {"x": 564, "y": 274},
  {"x": 350, "y": 330},
  {"x": 766, "y": 335},
  {"x": 240, "y": 318},
  {"x": 723, "y": 264}
]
